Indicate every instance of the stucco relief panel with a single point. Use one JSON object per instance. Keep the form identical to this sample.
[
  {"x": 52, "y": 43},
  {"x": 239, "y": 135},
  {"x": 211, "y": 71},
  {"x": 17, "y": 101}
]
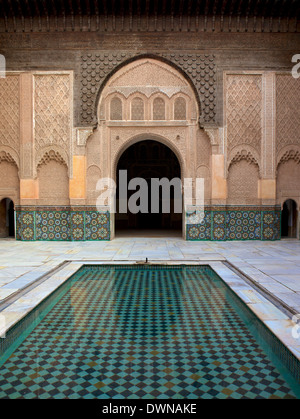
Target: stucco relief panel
[
  {"x": 287, "y": 111},
  {"x": 244, "y": 111},
  {"x": 53, "y": 113},
  {"x": 10, "y": 112},
  {"x": 95, "y": 68}
]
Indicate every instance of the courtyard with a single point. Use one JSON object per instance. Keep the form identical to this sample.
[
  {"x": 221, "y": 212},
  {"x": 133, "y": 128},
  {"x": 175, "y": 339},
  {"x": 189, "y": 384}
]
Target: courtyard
[
  {"x": 273, "y": 266},
  {"x": 149, "y": 199}
]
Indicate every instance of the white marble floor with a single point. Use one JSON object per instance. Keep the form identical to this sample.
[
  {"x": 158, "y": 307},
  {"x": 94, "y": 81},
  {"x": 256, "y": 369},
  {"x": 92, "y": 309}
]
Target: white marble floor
[{"x": 275, "y": 266}]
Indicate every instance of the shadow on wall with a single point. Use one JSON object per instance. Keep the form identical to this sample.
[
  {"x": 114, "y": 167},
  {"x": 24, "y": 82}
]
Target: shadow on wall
[
  {"x": 7, "y": 218},
  {"x": 289, "y": 219}
]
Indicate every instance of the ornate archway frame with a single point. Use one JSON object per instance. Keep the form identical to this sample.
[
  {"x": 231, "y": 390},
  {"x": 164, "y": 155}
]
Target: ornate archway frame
[
  {"x": 134, "y": 140},
  {"x": 115, "y": 136}
]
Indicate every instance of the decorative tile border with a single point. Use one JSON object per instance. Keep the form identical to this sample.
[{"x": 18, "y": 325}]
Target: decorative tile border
[
  {"x": 25, "y": 221},
  {"x": 271, "y": 225},
  {"x": 243, "y": 225},
  {"x": 62, "y": 224},
  {"x": 85, "y": 223},
  {"x": 218, "y": 225},
  {"x": 198, "y": 225},
  {"x": 97, "y": 225},
  {"x": 77, "y": 225},
  {"x": 52, "y": 225},
  {"x": 235, "y": 223}
]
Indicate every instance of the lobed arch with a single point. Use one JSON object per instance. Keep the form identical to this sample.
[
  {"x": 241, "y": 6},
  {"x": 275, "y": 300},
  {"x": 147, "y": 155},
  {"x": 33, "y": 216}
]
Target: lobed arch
[
  {"x": 243, "y": 153},
  {"x": 53, "y": 179},
  {"x": 51, "y": 153},
  {"x": 288, "y": 153},
  {"x": 8, "y": 154},
  {"x": 117, "y": 107}
]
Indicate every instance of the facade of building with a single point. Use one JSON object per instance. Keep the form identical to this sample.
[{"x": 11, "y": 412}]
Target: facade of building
[{"x": 198, "y": 89}]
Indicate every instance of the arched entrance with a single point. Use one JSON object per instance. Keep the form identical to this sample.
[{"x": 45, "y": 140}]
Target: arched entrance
[
  {"x": 7, "y": 218},
  {"x": 154, "y": 164},
  {"x": 289, "y": 219}
]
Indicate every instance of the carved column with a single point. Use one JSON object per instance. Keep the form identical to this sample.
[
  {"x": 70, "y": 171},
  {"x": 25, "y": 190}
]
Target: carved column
[
  {"x": 267, "y": 186},
  {"x": 218, "y": 181},
  {"x": 28, "y": 185}
]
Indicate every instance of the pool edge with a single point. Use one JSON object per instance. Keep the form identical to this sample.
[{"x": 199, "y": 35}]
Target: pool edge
[{"x": 274, "y": 319}]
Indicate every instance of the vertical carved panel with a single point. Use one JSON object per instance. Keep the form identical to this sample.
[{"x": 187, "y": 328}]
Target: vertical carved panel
[
  {"x": 116, "y": 109},
  {"x": 159, "y": 112},
  {"x": 243, "y": 182},
  {"x": 137, "y": 109},
  {"x": 52, "y": 111},
  {"x": 244, "y": 110},
  {"x": 10, "y": 112},
  {"x": 53, "y": 182},
  {"x": 288, "y": 176},
  {"x": 180, "y": 109},
  {"x": 287, "y": 111}
]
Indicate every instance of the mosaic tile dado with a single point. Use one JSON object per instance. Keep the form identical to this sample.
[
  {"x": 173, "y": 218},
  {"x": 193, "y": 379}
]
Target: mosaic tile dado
[
  {"x": 271, "y": 225},
  {"x": 243, "y": 225},
  {"x": 97, "y": 225},
  {"x": 62, "y": 224},
  {"x": 234, "y": 224},
  {"x": 198, "y": 225},
  {"x": 215, "y": 224},
  {"x": 52, "y": 225},
  {"x": 25, "y": 222}
]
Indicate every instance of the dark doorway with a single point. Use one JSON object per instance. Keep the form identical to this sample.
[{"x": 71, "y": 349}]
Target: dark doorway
[
  {"x": 289, "y": 219},
  {"x": 7, "y": 218},
  {"x": 149, "y": 160}
]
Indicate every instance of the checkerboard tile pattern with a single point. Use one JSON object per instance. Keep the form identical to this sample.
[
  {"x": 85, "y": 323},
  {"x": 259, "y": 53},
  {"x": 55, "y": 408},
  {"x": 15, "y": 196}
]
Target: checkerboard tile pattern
[{"x": 141, "y": 333}]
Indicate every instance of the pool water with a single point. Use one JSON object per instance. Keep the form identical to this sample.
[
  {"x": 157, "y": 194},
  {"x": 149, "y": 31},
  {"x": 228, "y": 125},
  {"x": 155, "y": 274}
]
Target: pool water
[{"x": 144, "y": 332}]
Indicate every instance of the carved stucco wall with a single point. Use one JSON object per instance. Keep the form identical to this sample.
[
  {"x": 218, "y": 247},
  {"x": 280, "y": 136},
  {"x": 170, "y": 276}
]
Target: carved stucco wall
[
  {"x": 10, "y": 116},
  {"x": 9, "y": 137},
  {"x": 287, "y": 111},
  {"x": 243, "y": 112},
  {"x": 97, "y": 67},
  {"x": 52, "y": 104},
  {"x": 9, "y": 181},
  {"x": 52, "y": 115},
  {"x": 243, "y": 176},
  {"x": 53, "y": 182},
  {"x": 203, "y": 161},
  {"x": 148, "y": 80},
  {"x": 288, "y": 178},
  {"x": 288, "y": 137}
]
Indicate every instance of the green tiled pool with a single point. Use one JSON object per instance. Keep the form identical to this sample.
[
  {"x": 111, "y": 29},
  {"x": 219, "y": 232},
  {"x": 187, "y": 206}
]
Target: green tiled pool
[{"x": 156, "y": 332}]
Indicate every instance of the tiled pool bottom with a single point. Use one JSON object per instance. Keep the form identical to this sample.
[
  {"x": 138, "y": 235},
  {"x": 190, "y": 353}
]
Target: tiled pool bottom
[{"x": 143, "y": 332}]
